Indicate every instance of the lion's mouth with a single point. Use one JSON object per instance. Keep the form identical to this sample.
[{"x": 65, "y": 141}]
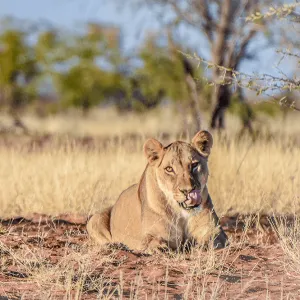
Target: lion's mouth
[
  {"x": 193, "y": 200},
  {"x": 188, "y": 207}
]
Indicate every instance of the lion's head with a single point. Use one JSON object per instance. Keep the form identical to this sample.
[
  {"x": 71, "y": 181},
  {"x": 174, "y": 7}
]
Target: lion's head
[
  {"x": 181, "y": 169},
  {"x": 181, "y": 172}
]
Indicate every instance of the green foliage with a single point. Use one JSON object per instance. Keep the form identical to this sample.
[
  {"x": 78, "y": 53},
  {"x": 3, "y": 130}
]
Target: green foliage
[
  {"x": 72, "y": 63},
  {"x": 81, "y": 82},
  {"x": 240, "y": 109},
  {"x": 84, "y": 69},
  {"x": 18, "y": 68},
  {"x": 249, "y": 111},
  {"x": 162, "y": 70},
  {"x": 267, "y": 108},
  {"x": 85, "y": 86}
]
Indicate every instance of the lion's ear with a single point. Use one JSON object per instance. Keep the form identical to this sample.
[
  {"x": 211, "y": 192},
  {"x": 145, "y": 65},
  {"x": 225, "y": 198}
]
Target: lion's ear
[
  {"x": 203, "y": 142},
  {"x": 153, "y": 150}
]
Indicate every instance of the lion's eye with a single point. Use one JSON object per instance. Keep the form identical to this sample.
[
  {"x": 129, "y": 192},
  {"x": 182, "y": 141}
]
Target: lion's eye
[
  {"x": 169, "y": 169},
  {"x": 195, "y": 165}
]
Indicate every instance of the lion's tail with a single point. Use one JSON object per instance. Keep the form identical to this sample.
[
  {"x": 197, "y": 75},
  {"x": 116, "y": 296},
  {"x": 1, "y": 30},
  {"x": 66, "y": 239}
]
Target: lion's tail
[{"x": 98, "y": 227}]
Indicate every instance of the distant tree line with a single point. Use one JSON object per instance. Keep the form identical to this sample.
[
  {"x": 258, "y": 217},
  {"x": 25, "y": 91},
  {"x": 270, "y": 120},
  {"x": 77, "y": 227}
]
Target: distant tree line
[{"x": 87, "y": 68}]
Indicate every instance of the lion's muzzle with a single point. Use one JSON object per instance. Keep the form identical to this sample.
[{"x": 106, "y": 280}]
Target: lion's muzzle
[{"x": 193, "y": 200}]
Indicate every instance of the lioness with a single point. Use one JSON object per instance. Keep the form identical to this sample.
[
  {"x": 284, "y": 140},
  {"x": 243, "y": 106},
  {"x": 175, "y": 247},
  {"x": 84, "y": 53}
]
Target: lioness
[{"x": 170, "y": 207}]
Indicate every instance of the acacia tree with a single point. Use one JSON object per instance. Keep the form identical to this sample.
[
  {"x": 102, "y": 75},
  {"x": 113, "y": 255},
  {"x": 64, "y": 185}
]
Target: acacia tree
[
  {"x": 166, "y": 72},
  {"x": 226, "y": 32},
  {"x": 282, "y": 88}
]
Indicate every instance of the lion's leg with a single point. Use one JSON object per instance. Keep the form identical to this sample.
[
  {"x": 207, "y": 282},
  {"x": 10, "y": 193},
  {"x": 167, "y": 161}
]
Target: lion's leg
[
  {"x": 152, "y": 244},
  {"x": 98, "y": 227},
  {"x": 204, "y": 226}
]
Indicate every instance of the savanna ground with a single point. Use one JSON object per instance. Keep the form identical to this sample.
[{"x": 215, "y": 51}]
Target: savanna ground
[{"x": 51, "y": 183}]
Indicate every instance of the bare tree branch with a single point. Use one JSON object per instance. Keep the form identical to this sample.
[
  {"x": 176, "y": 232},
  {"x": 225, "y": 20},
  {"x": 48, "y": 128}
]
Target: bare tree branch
[
  {"x": 208, "y": 23},
  {"x": 222, "y": 32},
  {"x": 235, "y": 60}
]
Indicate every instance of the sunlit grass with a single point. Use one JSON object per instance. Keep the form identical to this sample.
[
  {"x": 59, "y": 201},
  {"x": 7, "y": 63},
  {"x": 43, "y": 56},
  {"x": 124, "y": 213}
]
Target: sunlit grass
[
  {"x": 245, "y": 176},
  {"x": 63, "y": 175}
]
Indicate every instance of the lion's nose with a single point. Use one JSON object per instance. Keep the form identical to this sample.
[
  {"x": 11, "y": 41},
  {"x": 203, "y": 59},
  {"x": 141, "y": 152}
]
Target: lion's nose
[{"x": 186, "y": 191}]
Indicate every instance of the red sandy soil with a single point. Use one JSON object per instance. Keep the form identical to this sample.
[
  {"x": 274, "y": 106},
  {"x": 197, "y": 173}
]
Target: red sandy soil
[{"x": 252, "y": 269}]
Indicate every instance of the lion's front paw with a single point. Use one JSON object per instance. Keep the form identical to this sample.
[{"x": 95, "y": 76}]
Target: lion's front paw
[{"x": 154, "y": 245}]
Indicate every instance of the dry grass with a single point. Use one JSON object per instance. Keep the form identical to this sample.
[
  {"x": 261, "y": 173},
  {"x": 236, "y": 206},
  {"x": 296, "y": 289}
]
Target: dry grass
[
  {"x": 60, "y": 180},
  {"x": 290, "y": 243},
  {"x": 245, "y": 177},
  {"x": 101, "y": 122},
  {"x": 83, "y": 270},
  {"x": 107, "y": 122},
  {"x": 255, "y": 177}
]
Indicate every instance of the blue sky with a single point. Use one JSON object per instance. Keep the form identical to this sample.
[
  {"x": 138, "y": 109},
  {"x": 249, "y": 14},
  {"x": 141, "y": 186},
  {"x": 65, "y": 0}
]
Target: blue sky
[{"x": 73, "y": 13}]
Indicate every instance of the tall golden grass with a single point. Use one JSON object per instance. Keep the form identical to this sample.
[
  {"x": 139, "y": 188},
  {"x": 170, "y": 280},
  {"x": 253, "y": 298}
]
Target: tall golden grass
[
  {"x": 65, "y": 176},
  {"x": 245, "y": 176}
]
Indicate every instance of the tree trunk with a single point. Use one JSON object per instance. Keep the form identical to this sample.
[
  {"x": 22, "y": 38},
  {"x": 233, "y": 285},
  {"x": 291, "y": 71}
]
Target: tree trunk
[
  {"x": 247, "y": 114},
  {"x": 221, "y": 98},
  {"x": 183, "y": 112},
  {"x": 16, "y": 102},
  {"x": 85, "y": 107},
  {"x": 18, "y": 123}
]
